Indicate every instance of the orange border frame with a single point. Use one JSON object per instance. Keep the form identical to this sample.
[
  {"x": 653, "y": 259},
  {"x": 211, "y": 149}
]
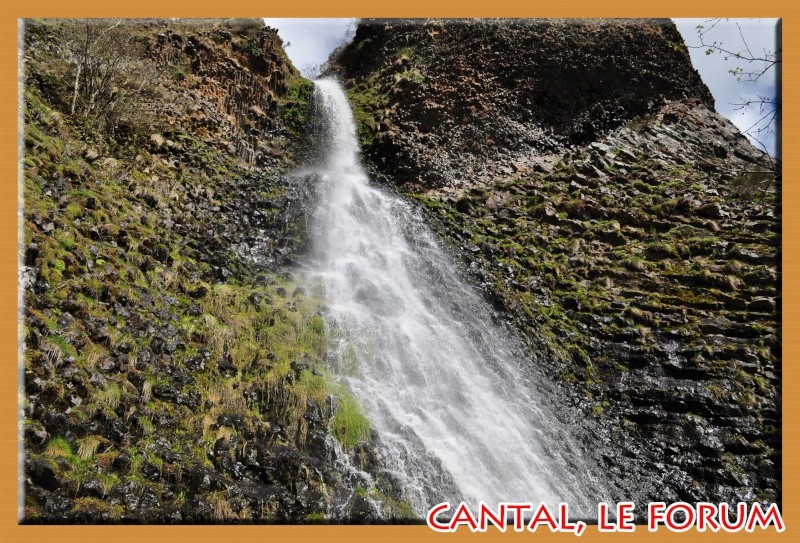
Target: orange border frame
[{"x": 11, "y": 10}]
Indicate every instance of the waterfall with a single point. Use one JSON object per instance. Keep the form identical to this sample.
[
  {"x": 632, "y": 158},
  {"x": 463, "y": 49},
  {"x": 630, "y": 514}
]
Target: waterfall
[{"x": 460, "y": 412}]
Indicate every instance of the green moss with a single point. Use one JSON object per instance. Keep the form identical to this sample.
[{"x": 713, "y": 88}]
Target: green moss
[
  {"x": 599, "y": 409},
  {"x": 395, "y": 509},
  {"x": 662, "y": 249},
  {"x": 58, "y": 447},
  {"x": 73, "y": 211},
  {"x": 349, "y": 425},
  {"x": 314, "y": 386},
  {"x": 427, "y": 201},
  {"x": 109, "y": 396},
  {"x": 701, "y": 243},
  {"x": 361, "y": 492},
  {"x": 57, "y": 347},
  {"x": 413, "y": 75},
  {"x": 366, "y": 101},
  {"x": 407, "y": 52},
  {"x": 94, "y": 506},
  {"x": 297, "y": 104}
]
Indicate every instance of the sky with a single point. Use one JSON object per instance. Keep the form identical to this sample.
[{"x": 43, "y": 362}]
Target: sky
[
  {"x": 310, "y": 41},
  {"x": 760, "y": 35}
]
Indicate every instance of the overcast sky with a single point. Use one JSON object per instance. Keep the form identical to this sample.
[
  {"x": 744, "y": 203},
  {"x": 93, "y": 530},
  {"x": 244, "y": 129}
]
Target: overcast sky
[{"x": 312, "y": 40}]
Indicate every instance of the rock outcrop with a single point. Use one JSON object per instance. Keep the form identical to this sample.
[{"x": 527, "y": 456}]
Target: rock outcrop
[
  {"x": 485, "y": 93},
  {"x": 630, "y": 231},
  {"x": 174, "y": 367}
]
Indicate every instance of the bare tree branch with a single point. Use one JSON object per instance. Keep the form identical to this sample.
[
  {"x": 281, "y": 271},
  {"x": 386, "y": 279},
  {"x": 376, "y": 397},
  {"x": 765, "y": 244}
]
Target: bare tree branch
[
  {"x": 110, "y": 69},
  {"x": 757, "y": 65}
]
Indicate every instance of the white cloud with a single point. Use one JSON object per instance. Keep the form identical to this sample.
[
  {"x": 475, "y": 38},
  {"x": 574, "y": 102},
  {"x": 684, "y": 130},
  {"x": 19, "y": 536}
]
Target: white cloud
[
  {"x": 760, "y": 36},
  {"x": 311, "y": 41}
]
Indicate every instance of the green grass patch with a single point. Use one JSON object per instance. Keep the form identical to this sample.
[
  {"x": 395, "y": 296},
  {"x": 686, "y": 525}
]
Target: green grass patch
[{"x": 349, "y": 425}]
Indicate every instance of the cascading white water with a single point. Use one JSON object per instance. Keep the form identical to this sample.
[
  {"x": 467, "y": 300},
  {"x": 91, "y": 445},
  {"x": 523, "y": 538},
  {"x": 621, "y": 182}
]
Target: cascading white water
[{"x": 459, "y": 412}]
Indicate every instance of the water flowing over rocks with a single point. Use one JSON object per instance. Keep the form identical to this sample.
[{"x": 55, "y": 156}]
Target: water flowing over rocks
[
  {"x": 631, "y": 232},
  {"x": 601, "y": 226},
  {"x": 168, "y": 345},
  {"x": 460, "y": 414}
]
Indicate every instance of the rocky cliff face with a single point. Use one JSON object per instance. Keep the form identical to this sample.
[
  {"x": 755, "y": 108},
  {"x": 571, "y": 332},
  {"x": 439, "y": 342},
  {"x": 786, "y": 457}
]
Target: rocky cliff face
[
  {"x": 174, "y": 367},
  {"x": 486, "y": 93},
  {"x": 631, "y": 232}
]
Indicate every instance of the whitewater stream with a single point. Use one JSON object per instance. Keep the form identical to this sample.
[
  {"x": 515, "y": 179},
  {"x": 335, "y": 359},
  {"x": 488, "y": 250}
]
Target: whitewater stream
[{"x": 459, "y": 412}]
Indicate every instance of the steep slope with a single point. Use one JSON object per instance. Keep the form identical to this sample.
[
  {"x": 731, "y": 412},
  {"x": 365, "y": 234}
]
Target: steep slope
[
  {"x": 173, "y": 365},
  {"x": 632, "y": 233}
]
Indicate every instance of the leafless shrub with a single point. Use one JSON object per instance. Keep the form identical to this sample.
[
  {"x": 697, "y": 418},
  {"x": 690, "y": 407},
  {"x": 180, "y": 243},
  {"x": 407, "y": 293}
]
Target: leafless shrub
[{"x": 106, "y": 67}]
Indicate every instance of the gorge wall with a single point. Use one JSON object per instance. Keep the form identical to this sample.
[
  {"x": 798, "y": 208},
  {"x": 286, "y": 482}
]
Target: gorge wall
[
  {"x": 629, "y": 230},
  {"x": 175, "y": 364}
]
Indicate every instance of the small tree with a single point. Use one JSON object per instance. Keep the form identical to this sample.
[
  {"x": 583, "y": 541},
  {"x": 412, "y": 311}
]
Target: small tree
[
  {"x": 111, "y": 70},
  {"x": 754, "y": 66}
]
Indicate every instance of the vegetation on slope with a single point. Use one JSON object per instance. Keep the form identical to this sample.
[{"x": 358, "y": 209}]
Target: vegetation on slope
[
  {"x": 174, "y": 369},
  {"x": 652, "y": 289}
]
